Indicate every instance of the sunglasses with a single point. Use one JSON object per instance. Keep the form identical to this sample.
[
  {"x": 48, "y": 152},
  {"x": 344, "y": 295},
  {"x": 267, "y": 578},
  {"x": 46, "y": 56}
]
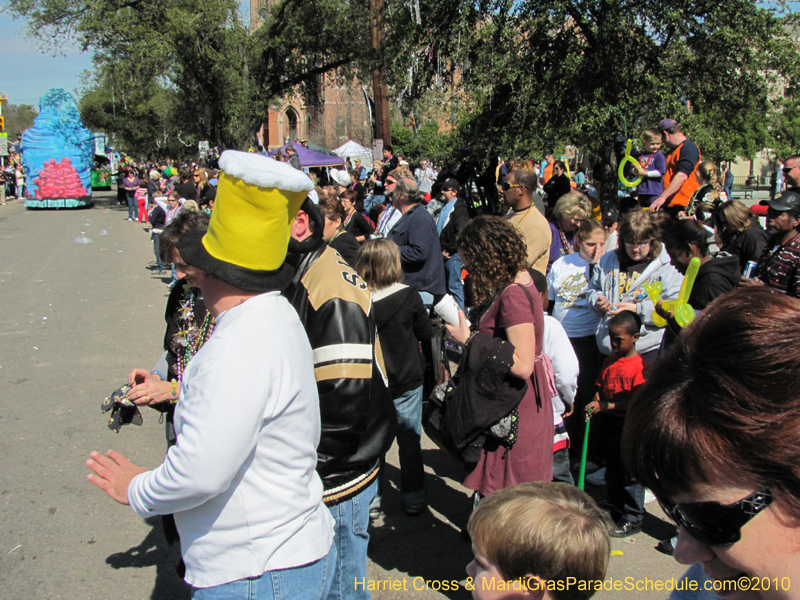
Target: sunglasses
[
  {"x": 788, "y": 169},
  {"x": 508, "y": 186},
  {"x": 717, "y": 524},
  {"x": 390, "y": 182}
]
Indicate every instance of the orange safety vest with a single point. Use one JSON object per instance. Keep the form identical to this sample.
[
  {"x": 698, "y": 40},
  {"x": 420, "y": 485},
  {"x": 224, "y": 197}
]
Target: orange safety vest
[
  {"x": 689, "y": 186},
  {"x": 548, "y": 172}
]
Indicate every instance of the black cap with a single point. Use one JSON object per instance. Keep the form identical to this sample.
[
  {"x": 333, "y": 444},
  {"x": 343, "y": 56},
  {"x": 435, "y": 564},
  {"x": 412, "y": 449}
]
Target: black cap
[
  {"x": 665, "y": 124},
  {"x": 610, "y": 213},
  {"x": 784, "y": 201},
  {"x": 451, "y": 183}
]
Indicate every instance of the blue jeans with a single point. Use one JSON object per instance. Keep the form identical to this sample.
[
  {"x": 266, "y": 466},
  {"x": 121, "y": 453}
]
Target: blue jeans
[
  {"x": 351, "y": 540},
  {"x": 625, "y": 494},
  {"x": 409, "y": 433},
  {"x": 157, "y": 250},
  {"x": 307, "y": 582},
  {"x": 133, "y": 206},
  {"x": 561, "y": 470},
  {"x": 453, "y": 269}
]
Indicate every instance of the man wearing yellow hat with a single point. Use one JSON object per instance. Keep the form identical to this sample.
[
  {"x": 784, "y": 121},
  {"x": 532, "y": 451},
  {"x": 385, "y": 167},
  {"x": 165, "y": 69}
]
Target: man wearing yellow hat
[{"x": 241, "y": 478}]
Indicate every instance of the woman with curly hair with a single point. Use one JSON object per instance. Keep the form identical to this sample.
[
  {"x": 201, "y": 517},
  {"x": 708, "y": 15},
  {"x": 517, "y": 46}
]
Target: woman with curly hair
[{"x": 509, "y": 308}]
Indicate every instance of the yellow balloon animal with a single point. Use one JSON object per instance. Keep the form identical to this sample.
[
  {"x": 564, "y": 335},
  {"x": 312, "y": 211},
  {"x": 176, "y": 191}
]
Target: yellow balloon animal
[
  {"x": 682, "y": 311},
  {"x": 654, "y": 293},
  {"x": 621, "y": 169}
]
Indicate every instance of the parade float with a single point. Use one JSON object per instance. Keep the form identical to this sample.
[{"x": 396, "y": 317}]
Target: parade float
[
  {"x": 104, "y": 166},
  {"x": 57, "y": 155}
]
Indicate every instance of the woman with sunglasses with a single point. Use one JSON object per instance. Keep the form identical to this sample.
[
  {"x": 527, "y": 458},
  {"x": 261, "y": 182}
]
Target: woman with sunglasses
[
  {"x": 619, "y": 280},
  {"x": 201, "y": 183},
  {"x": 713, "y": 432}
]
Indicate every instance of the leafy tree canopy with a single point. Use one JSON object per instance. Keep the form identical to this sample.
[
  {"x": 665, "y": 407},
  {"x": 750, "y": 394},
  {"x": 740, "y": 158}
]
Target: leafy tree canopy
[
  {"x": 511, "y": 76},
  {"x": 221, "y": 76},
  {"x": 18, "y": 118},
  {"x": 582, "y": 72},
  {"x": 415, "y": 143}
]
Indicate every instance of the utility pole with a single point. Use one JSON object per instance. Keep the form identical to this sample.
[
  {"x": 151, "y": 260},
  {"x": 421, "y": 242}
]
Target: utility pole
[{"x": 380, "y": 89}]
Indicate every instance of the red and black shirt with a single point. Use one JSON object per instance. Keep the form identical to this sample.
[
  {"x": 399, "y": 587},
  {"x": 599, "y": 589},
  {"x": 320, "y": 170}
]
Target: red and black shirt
[{"x": 779, "y": 266}]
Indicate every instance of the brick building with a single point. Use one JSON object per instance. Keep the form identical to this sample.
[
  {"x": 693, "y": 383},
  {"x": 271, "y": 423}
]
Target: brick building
[{"x": 341, "y": 115}]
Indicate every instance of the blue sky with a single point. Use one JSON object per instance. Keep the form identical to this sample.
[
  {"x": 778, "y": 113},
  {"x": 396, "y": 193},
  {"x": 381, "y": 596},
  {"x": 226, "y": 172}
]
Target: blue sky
[{"x": 26, "y": 73}]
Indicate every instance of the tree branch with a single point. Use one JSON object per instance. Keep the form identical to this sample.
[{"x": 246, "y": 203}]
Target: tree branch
[
  {"x": 283, "y": 85},
  {"x": 576, "y": 15}
]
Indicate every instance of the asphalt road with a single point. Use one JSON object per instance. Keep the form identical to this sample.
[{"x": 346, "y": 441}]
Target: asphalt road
[{"x": 75, "y": 318}]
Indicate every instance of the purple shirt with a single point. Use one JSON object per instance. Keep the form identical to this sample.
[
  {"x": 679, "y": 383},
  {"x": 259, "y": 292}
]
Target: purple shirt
[
  {"x": 130, "y": 185},
  {"x": 557, "y": 249},
  {"x": 652, "y": 162}
]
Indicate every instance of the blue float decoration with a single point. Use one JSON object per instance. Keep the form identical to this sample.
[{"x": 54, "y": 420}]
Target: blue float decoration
[{"x": 57, "y": 155}]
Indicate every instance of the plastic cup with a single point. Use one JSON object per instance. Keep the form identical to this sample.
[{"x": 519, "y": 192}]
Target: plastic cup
[{"x": 447, "y": 309}]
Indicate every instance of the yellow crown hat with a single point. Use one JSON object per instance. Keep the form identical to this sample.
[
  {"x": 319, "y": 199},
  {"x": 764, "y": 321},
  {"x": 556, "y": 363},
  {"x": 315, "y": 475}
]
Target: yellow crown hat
[{"x": 248, "y": 235}]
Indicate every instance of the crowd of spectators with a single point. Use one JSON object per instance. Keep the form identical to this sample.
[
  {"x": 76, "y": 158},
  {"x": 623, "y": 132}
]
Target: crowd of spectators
[{"x": 578, "y": 308}]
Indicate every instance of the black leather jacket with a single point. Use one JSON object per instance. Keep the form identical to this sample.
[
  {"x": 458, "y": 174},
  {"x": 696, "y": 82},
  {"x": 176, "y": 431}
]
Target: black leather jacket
[{"x": 358, "y": 416}]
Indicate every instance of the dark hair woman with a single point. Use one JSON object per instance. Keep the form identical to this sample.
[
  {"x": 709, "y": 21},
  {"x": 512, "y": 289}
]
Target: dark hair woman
[
  {"x": 189, "y": 325},
  {"x": 718, "y": 274},
  {"x": 354, "y": 221},
  {"x": 712, "y": 432},
  {"x": 334, "y": 233}
]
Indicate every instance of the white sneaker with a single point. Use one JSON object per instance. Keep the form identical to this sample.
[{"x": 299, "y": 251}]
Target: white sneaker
[{"x": 598, "y": 478}]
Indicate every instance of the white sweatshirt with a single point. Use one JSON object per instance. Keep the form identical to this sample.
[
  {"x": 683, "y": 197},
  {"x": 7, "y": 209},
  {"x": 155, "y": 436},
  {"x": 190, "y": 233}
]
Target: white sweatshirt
[{"x": 241, "y": 480}]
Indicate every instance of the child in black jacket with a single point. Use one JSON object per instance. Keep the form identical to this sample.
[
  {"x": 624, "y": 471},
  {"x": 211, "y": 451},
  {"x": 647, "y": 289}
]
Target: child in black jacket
[{"x": 403, "y": 325}]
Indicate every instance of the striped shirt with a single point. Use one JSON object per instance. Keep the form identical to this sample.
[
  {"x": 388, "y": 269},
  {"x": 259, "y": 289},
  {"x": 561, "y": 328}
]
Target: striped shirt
[{"x": 778, "y": 266}]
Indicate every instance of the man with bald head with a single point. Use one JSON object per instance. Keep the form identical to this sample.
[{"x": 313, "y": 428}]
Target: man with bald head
[{"x": 528, "y": 219}]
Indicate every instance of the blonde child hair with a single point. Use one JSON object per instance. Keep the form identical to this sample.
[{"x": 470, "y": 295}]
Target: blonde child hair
[
  {"x": 587, "y": 229},
  {"x": 651, "y": 135},
  {"x": 550, "y": 531}
]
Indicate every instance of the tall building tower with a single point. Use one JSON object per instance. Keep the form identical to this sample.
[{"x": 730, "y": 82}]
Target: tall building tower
[
  {"x": 255, "y": 12},
  {"x": 341, "y": 115}
]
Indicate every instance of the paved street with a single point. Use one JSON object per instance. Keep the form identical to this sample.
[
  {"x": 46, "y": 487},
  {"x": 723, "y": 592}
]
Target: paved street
[{"x": 75, "y": 319}]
